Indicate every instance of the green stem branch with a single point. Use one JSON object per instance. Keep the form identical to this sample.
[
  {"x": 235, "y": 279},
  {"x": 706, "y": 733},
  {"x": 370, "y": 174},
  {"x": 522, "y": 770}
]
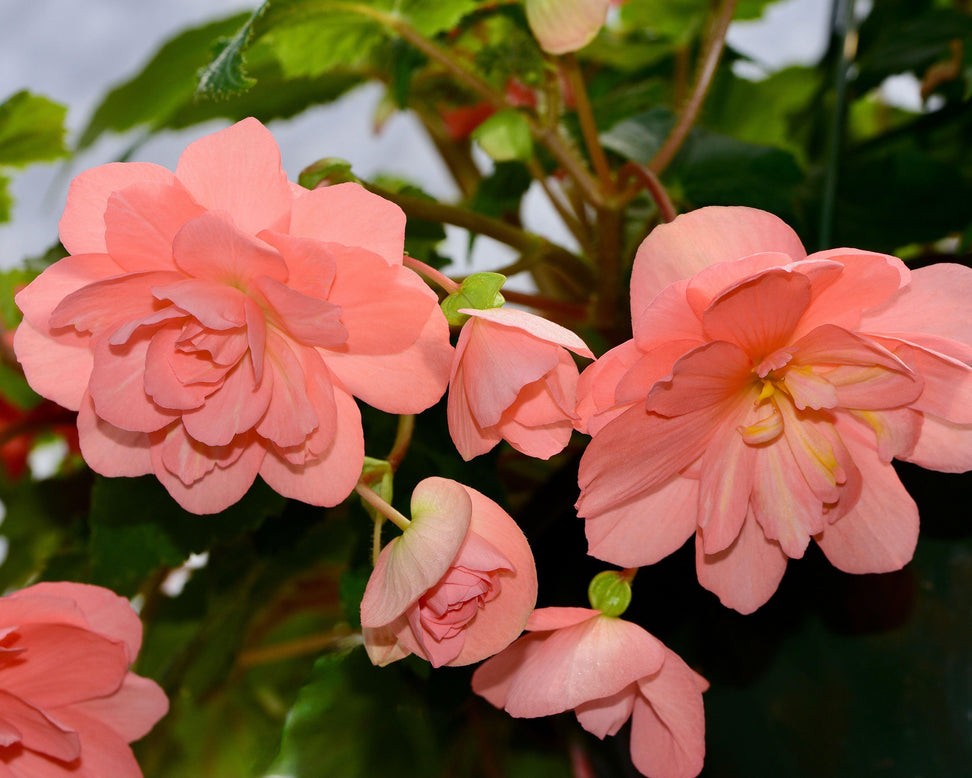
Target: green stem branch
[{"x": 373, "y": 499}]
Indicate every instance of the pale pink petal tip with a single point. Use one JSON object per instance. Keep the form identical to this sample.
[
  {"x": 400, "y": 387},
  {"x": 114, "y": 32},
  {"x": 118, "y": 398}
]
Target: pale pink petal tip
[{"x": 562, "y": 26}]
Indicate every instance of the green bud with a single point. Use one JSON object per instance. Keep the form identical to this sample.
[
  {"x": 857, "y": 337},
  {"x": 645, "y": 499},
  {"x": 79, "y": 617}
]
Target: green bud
[
  {"x": 327, "y": 171},
  {"x": 480, "y": 291},
  {"x": 610, "y": 592},
  {"x": 505, "y": 136}
]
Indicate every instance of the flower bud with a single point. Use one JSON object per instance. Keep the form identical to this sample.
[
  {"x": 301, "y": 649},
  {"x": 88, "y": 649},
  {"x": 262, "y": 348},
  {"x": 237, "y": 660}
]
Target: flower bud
[
  {"x": 480, "y": 291},
  {"x": 610, "y": 592}
]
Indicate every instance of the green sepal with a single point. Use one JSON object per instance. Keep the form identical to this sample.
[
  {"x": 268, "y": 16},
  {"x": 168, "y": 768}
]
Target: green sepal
[
  {"x": 480, "y": 291},
  {"x": 610, "y": 592},
  {"x": 327, "y": 171},
  {"x": 382, "y": 487}
]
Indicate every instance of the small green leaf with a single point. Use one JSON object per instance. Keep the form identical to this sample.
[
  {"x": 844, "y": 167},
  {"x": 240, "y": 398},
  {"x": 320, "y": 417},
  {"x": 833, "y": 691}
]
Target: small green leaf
[
  {"x": 31, "y": 130},
  {"x": 505, "y": 136},
  {"x": 639, "y": 137},
  {"x": 225, "y": 76}
]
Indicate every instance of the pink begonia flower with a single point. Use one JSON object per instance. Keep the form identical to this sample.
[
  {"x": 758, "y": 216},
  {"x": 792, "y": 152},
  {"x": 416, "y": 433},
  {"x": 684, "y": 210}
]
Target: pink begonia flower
[
  {"x": 69, "y": 706},
  {"x": 762, "y": 399},
  {"x": 456, "y": 587},
  {"x": 512, "y": 379},
  {"x": 606, "y": 670},
  {"x": 216, "y": 323},
  {"x": 561, "y": 26}
]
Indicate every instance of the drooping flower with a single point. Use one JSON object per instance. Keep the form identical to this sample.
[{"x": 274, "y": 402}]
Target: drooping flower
[
  {"x": 561, "y": 26},
  {"x": 606, "y": 670},
  {"x": 762, "y": 399},
  {"x": 512, "y": 379},
  {"x": 216, "y": 323},
  {"x": 456, "y": 587},
  {"x": 69, "y": 706}
]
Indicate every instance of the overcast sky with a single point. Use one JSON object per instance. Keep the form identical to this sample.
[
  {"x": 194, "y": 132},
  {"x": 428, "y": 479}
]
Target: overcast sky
[{"x": 73, "y": 52}]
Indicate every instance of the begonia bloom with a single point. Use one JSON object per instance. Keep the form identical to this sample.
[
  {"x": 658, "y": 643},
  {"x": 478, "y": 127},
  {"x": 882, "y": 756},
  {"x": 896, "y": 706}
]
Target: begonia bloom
[
  {"x": 456, "y": 587},
  {"x": 512, "y": 379},
  {"x": 216, "y": 323},
  {"x": 606, "y": 670},
  {"x": 762, "y": 399},
  {"x": 562, "y": 26},
  {"x": 69, "y": 706}
]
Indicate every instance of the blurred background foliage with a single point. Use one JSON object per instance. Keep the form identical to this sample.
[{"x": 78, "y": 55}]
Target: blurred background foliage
[{"x": 257, "y": 644}]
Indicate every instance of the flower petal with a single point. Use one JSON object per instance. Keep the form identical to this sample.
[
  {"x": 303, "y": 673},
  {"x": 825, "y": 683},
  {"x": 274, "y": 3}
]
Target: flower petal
[
  {"x": 237, "y": 170},
  {"x": 605, "y": 716},
  {"x": 746, "y": 574},
  {"x": 535, "y": 326},
  {"x": 561, "y": 26},
  {"x": 36, "y": 731},
  {"x": 108, "y": 449},
  {"x": 942, "y": 445},
  {"x": 131, "y": 711},
  {"x": 211, "y": 248}
]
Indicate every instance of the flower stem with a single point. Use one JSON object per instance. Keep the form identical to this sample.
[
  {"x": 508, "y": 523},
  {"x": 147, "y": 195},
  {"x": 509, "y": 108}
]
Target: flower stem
[
  {"x": 373, "y": 499},
  {"x": 311, "y": 644},
  {"x": 575, "y": 311},
  {"x": 403, "y": 437},
  {"x": 710, "y": 60},
  {"x": 651, "y": 182},
  {"x": 447, "y": 284},
  {"x": 587, "y": 123}
]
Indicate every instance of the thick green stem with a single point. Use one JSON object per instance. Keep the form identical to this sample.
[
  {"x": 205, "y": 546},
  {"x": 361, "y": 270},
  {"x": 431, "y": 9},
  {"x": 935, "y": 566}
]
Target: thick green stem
[
  {"x": 710, "y": 61},
  {"x": 588, "y": 126}
]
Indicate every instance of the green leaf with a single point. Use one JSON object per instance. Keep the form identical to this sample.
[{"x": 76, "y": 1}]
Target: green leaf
[
  {"x": 31, "y": 130},
  {"x": 137, "y": 527},
  {"x": 310, "y": 37},
  {"x": 164, "y": 86},
  {"x": 499, "y": 194},
  {"x": 639, "y": 137},
  {"x": 6, "y": 201},
  {"x": 11, "y": 282},
  {"x": 224, "y": 76},
  {"x": 329, "y": 170},
  {"x": 505, "y": 136},
  {"x": 358, "y": 721}
]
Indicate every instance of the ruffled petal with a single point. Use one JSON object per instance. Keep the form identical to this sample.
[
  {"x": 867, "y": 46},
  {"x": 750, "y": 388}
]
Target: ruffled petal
[
  {"x": 942, "y": 445},
  {"x": 535, "y": 326},
  {"x": 110, "y": 450},
  {"x": 607, "y": 715},
  {"x": 212, "y": 248},
  {"x": 131, "y": 711}
]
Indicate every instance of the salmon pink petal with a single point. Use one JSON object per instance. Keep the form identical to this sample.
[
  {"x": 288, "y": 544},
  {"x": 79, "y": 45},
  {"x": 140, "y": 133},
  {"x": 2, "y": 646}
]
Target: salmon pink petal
[
  {"x": 104, "y": 611},
  {"x": 880, "y": 532},
  {"x": 665, "y": 318},
  {"x": 310, "y": 263},
  {"x": 538, "y": 327},
  {"x": 498, "y": 623},
  {"x": 142, "y": 219},
  {"x": 746, "y": 574},
  {"x": 704, "y": 237},
  {"x": 382, "y": 644},
  {"x": 561, "y": 26},
  {"x": 42, "y": 295},
  {"x": 927, "y": 305},
  {"x": 220, "y": 487},
  {"x": 131, "y": 711},
  {"x": 782, "y": 502},
  {"x": 383, "y": 323},
  {"x": 702, "y": 289},
  {"x": 108, "y": 449},
  {"x": 725, "y": 486},
  {"x": 236, "y": 407},
  {"x": 817, "y": 450},
  {"x": 327, "y": 477},
  {"x": 597, "y": 382},
  {"x": 663, "y": 446},
  {"x": 290, "y": 415},
  {"x": 867, "y": 280},
  {"x": 495, "y": 678},
  {"x": 829, "y": 344},
  {"x": 36, "y": 731},
  {"x": 656, "y": 364},
  {"x": 82, "y": 226},
  {"x": 237, "y": 170},
  {"x": 596, "y": 658},
  {"x": 310, "y": 320},
  {"x": 646, "y": 528},
  {"x": 210, "y": 248},
  {"x": 162, "y": 383},
  {"x": 407, "y": 382},
  {"x": 873, "y": 388},
  {"x": 469, "y": 438},
  {"x": 67, "y": 664},
  {"x": 548, "y": 619},
  {"x": 103, "y": 751},
  {"x": 351, "y": 215},
  {"x": 540, "y": 441},
  {"x": 214, "y": 306},
  {"x": 896, "y": 431},
  {"x": 712, "y": 375},
  {"x": 760, "y": 314},
  {"x": 608, "y": 714},
  {"x": 57, "y": 367},
  {"x": 189, "y": 459},
  {"x": 117, "y": 387},
  {"x": 413, "y": 563},
  {"x": 668, "y": 722},
  {"x": 947, "y": 382},
  {"x": 942, "y": 445}
]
